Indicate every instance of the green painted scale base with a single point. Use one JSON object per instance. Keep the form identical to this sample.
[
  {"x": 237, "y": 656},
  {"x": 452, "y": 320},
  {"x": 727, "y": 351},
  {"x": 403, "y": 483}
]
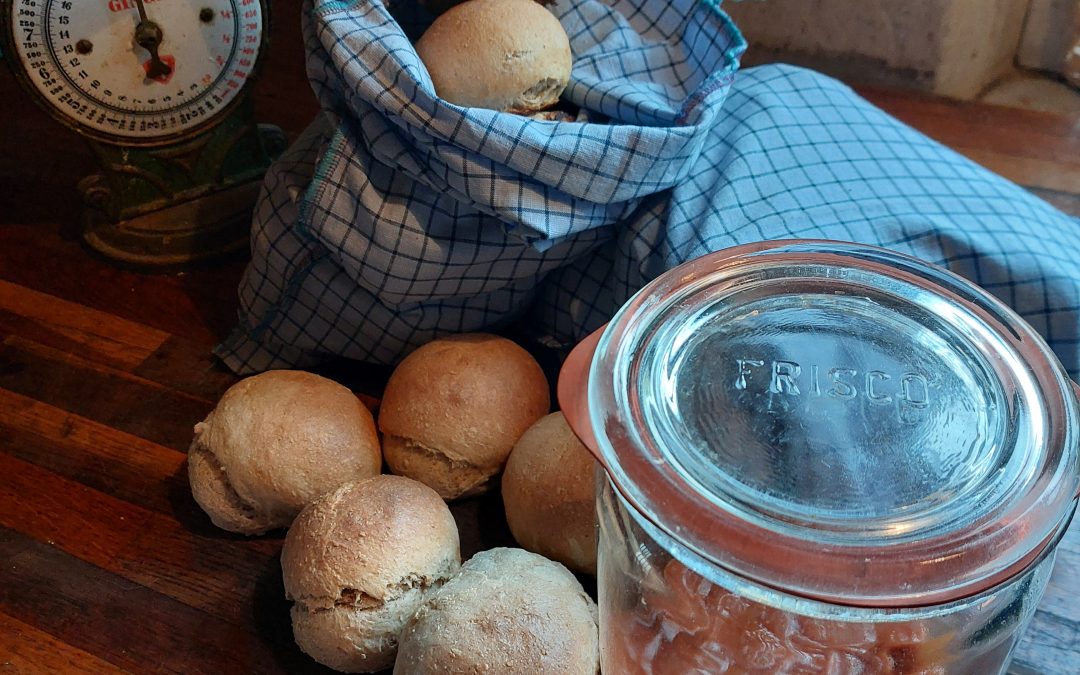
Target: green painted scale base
[{"x": 180, "y": 203}]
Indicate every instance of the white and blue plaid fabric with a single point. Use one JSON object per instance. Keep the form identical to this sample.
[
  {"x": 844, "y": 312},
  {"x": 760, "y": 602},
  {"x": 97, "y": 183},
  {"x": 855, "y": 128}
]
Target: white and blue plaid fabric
[{"x": 397, "y": 217}]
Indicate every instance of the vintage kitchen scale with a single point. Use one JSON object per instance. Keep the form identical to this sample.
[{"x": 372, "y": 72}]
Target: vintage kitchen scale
[{"x": 159, "y": 90}]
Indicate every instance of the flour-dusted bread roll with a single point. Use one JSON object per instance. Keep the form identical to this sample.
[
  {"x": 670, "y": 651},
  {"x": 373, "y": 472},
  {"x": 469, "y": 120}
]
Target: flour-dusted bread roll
[
  {"x": 357, "y": 562},
  {"x": 273, "y": 443},
  {"x": 507, "y": 611},
  {"x": 454, "y": 408},
  {"x": 549, "y": 492},
  {"x": 510, "y": 55}
]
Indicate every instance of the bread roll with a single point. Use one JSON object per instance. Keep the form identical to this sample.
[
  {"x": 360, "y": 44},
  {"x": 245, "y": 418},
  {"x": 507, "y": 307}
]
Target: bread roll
[
  {"x": 510, "y": 55},
  {"x": 548, "y": 490},
  {"x": 454, "y": 408},
  {"x": 273, "y": 443},
  {"x": 507, "y": 611},
  {"x": 357, "y": 562}
]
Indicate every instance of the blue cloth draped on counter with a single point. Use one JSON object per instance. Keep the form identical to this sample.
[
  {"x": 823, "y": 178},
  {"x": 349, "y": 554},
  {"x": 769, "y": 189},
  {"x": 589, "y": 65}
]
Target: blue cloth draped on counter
[{"x": 397, "y": 217}]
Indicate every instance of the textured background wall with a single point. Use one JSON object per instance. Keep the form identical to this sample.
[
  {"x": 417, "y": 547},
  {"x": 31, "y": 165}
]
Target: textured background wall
[
  {"x": 1045, "y": 45},
  {"x": 951, "y": 47}
]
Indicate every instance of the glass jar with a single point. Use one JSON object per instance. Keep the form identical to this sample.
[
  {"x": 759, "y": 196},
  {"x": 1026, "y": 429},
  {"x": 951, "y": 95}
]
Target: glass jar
[{"x": 821, "y": 457}]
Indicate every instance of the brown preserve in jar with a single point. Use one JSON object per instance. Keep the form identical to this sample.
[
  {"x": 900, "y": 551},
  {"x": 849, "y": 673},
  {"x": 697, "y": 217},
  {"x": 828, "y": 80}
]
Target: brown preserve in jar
[{"x": 821, "y": 457}]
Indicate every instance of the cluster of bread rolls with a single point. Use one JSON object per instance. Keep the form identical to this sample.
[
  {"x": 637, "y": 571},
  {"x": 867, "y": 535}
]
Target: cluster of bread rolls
[
  {"x": 373, "y": 569},
  {"x": 372, "y": 562}
]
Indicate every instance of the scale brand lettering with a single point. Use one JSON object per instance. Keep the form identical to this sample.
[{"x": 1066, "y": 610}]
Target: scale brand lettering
[
  {"x": 121, "y": 5},
  {"x": 790, "y": 378}
]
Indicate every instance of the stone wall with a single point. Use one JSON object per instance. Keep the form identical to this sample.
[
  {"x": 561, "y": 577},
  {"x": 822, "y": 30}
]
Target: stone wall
[{"x": 950, "y": 47}]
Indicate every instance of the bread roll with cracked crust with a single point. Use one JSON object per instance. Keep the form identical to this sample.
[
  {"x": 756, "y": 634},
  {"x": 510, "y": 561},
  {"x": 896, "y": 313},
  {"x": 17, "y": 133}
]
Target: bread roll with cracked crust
[
  {"x": 549, "y": 493},
  {"x": 510, "y": 55},
  {"x": 507, "y": 611},
  {"x": 273, "y": 443},
  {"x": 357, "y": 562},
  {"x": 454, "y": 408}
]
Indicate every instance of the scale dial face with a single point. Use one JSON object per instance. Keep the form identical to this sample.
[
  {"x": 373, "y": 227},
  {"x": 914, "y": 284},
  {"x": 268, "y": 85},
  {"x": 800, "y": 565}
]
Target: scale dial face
[{"x": 87, "y": 61}]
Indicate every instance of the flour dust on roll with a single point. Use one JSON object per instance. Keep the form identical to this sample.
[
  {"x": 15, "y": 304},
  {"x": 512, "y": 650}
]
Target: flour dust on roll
[
  {"x": 507, "y": 55},
  {"x": 273, "y": 443},
  {"x": 507, "y": 611},
  {"x": 357, "y": 563}
]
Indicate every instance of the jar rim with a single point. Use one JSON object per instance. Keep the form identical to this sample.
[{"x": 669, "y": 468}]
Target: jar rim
[{"x": 927, "y": 550}]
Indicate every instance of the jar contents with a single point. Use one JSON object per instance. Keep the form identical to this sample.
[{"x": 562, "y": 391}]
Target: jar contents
[
  {"x": 679, "y": 623},
  {"x": 695, "y": 626},
  {"x": 660, "y": 617}
]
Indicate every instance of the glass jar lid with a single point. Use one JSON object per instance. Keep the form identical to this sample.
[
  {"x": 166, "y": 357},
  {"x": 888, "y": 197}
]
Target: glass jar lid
[{"x": 838, "y": 421}]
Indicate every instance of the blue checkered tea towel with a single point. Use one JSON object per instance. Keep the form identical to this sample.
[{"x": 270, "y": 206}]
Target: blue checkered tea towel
[{"x": 397, "y": 217}]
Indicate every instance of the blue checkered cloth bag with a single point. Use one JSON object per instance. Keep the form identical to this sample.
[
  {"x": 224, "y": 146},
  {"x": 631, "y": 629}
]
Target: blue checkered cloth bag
[{"x": 397, "y": 217}]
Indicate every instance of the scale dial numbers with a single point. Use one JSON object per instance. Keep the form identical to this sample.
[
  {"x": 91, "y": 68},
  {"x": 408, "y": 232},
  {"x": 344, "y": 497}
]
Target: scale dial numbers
[{"x": 82, "y": 59}]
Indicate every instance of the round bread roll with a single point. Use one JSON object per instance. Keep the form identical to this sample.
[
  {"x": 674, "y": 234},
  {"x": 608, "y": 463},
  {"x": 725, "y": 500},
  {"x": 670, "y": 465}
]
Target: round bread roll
[
  {"x": 507, "y": 611},
  {"x": 549, "y": 492},
  {"x": 510, "y": 55},
  {"x": 273, "y": 443},
  {"x": 454, "y": 408},
  {"x": 357, "y": 562}
]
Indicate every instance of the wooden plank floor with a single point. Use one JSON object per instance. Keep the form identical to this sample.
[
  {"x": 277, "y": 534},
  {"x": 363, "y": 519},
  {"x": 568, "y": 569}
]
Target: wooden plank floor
[{"x": 106, "y": 564}]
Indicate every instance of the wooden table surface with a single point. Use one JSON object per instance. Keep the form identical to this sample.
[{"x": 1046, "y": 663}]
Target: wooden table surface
[{"x": 106, "y": 563}]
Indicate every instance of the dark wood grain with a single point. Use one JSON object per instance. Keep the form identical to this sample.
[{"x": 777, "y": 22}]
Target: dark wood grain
[
  {"x": 71, "y": 327},
  {"x": 25, "y": 649},
  {"x": 183, "y": 557},
  {"x": 131, "y": 626},
  {"x": 98, "y": 456},
  {"x": 106, "y": 563},
  {"x": 113, "y": 397},
  {"x": 186, "y": 366}
]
